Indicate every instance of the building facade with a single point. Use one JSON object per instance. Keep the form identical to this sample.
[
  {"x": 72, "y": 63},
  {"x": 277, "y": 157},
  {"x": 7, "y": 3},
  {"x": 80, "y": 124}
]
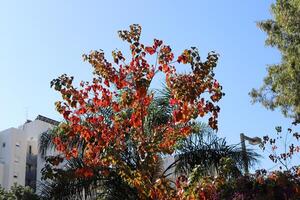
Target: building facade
[{"x": 19, "y": 152}]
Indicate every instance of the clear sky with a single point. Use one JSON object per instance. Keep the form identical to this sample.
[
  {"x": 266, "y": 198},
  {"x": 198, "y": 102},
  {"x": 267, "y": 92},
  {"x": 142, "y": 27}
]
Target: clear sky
[{"x": 40, "y": 40}]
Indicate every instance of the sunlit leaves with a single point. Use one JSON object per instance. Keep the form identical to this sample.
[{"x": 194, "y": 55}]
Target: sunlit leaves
[
  {"x": 103, "y": 115},
  {"x": 281, "y": 86}
]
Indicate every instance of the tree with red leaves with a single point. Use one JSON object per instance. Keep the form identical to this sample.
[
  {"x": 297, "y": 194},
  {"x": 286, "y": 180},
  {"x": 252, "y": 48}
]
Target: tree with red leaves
[{"x": 111, "y": 114}]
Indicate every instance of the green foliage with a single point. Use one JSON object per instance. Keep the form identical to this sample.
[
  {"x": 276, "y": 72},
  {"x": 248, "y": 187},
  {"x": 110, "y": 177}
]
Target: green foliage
[
  {"x": 281, "y": 87},
  {"x": 18, "y": 192},
  {"x": 203, "y": 148},
  {"x": 63, "y": 182}
]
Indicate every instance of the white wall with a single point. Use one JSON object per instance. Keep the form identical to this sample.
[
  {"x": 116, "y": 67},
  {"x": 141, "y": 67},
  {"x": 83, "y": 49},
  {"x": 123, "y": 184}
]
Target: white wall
[
  {"x": 1, "y": 173},
  {"x": 33, "y": 130},
  {"x": 13, "y": 157},
  {"x": 167, "y": 161},
  {"x": 14, "y": 146}
]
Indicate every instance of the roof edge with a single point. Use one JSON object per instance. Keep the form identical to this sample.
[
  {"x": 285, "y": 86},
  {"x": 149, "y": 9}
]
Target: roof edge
[{"x": 47, "y": 120}]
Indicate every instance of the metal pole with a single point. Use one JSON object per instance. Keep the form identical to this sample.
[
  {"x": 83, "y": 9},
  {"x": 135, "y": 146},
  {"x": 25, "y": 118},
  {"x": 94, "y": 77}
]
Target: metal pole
[{"x": 244, "y": 153}]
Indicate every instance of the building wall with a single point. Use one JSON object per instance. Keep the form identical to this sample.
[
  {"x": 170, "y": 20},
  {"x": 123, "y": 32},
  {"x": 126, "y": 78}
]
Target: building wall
[
  {"x": 19, "y": 152},
  {"x": 31, "y": 164},
  {"x": 13, "y": 157},
  {"x": 167, "y": 161},
  {"x": 33, "y": 130},
  {"x": 1, "y": 173}
]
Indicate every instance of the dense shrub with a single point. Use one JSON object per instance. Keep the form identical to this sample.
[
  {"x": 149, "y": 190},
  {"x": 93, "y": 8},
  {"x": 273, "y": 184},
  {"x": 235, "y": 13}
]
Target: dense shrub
[{"x": 261, "y": 185}]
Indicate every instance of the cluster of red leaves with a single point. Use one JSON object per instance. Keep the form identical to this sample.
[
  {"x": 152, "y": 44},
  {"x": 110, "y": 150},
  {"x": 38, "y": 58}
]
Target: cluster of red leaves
[
  {"x": 187, "y": 88},
  {"x": 124, "y": 88},
  {"x": 205, "y": 189},
  {"x": 84, "y": 172},
  {"x": 261, "y": 185}
]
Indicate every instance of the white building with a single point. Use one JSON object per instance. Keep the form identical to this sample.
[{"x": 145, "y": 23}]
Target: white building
[
  {"x": 12, "y": 157},
  {"x": 19, "y": 152}
]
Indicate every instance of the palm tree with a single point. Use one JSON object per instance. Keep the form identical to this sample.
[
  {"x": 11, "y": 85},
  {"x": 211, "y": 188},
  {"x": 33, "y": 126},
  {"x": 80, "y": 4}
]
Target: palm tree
[
  {"x": 204, "y": 149},
  {"x": 62, "y": 183},
  {"x": 65, "y": 184}
]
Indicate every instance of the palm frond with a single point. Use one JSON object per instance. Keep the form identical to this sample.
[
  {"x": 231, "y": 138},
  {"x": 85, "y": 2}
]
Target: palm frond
[
  {"x": 203, "y": 148},
  {"x": 45, "y": 142}
]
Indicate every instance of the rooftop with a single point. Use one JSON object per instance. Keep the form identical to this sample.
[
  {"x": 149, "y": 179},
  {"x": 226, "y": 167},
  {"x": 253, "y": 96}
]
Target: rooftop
[{"x": 46, "y": 119}]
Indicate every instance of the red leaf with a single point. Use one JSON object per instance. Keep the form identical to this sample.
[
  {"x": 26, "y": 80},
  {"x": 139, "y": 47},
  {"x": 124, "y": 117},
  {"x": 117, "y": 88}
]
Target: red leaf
[
  {"x": 106, "y": 82},
  {"x": 150, "y": 50},
  {"x": 165, "y": 68},
  {"x": 173, "y": 102}
]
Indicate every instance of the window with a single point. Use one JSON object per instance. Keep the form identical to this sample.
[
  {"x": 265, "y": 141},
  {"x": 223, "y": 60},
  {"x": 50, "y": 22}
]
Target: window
[
  {"x": 15, "y": 175},
  {"x": 30, "y": 149},
  {"x": 3, "y": 144}
]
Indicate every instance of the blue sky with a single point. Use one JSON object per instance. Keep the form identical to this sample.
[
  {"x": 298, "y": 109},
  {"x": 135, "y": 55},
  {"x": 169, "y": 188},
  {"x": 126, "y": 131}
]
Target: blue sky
[{"x": 40, "y": 40}]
